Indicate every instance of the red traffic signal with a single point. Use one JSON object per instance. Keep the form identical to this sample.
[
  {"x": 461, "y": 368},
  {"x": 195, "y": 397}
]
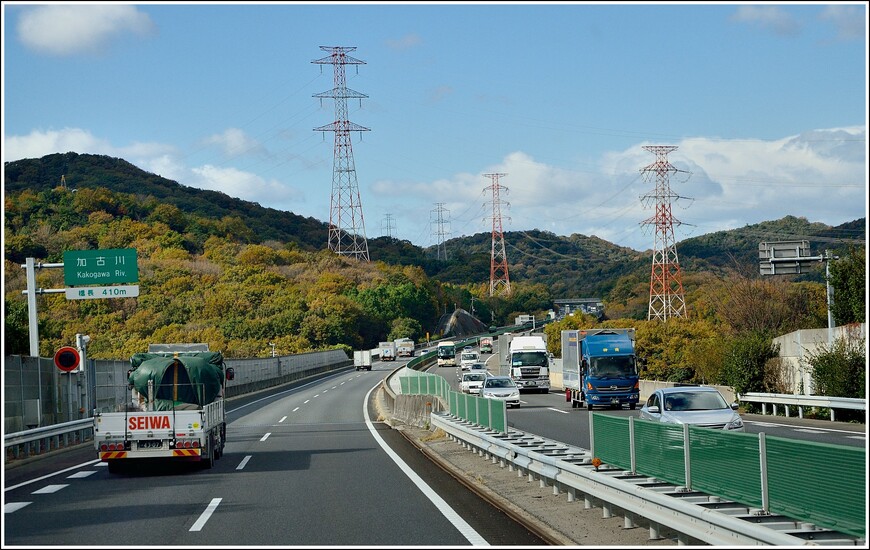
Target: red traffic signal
[{"x": 67, "y": 359}]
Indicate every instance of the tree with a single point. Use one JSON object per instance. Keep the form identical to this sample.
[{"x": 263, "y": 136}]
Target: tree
[
  {"x": 840, "y": 370},
  {"x": 745, "y": 360},
  {"x": 848, "y": 280}
]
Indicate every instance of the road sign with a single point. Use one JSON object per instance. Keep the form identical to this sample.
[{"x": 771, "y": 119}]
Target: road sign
[
  {"x": 67, "y": 359},
  {"x": 100, "y": 267},
  {"x": 114, "y": 291}
]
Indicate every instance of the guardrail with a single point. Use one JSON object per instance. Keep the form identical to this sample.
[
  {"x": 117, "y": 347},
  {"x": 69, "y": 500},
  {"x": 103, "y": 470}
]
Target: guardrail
[
  {"x": 665, "y": 491},
  {"x": 571, "y": 470},
  {"x": 36, "y": 441},
  {"x": 801, "y": 401}
]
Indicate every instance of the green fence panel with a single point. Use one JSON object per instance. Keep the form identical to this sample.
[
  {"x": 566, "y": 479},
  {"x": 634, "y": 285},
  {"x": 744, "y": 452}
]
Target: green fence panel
[
  {"x": 484, "y": 412},
  {"x": 726, "y": 464},
  {"x": 453, "y": 402},
  {"x": 659, "y": 451},
  {"x": 821, "y": 483},
  {"x": 497, "y": 415},
  {"x": 471, "y": 408},
  {"x": 460, "y": 406},
  {"x": 611, "y": 440}
]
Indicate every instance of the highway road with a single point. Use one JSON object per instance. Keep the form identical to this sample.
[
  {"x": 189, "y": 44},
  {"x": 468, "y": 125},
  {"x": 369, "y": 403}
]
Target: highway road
[{"x": 304, "y": 465}]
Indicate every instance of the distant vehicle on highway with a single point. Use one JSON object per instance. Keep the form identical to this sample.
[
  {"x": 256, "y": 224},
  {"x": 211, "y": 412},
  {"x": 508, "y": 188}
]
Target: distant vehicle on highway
[
  {"x": 695, "y": 405},
  {"x": 471, "y": 382},
  {"x": 501, "y": 388}
]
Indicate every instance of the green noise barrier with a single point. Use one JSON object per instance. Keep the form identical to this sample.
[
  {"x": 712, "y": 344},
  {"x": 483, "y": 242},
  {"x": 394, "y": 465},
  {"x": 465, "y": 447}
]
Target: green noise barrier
[
  {"x": 818, "y": 483},
  {"x": 489, "y": 413}
]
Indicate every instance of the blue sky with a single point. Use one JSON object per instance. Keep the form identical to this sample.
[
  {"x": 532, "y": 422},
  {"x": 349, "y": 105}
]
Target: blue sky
[{"x": 766, "y": 105}]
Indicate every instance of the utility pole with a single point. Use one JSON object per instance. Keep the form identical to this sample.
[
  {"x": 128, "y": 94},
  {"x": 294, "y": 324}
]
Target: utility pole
[
  {"x": 499, "y": 282},
  {"x": 440, "y": 232},
  {"x": 666, "y": 298},
  {"x": 347, "y": 231}
]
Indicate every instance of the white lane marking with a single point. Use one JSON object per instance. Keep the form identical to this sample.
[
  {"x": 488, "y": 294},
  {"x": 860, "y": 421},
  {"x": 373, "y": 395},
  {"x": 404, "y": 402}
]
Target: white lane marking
[
  {"x": 558, "y": 410},
  {"x": 809, "y": 430},
  {"x": 306, "y": 401},
  {"x": 283, "y": 418},
  {"x": 265, "y": 437},
  {"x": 461, "y": 525},
  {"x": 315, "y": 397},
  {"x": 294, "y": 410},
  {"x": 856, "y": 437},
  {"x": 82, "y": 465},
  {"x": 49, "y": 489},
  {"x": 209, "y": 510},
  {"x": 242, "y": 464},
  {"x": 79, "y": 475},
  {"x": 10, "y": 507}
]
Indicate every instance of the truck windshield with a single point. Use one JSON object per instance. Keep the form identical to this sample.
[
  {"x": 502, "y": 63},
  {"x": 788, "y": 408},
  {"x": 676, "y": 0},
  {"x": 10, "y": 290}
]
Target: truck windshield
[
  {"x": 613, "y": 367},
  {"x": 529, "y": 359}
]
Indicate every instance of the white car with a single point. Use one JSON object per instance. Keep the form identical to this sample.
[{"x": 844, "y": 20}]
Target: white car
[
  {"x": 468, "y": 358},
  {"x": 696, "y": 405},
  {"x": 471, "y": 382},
  {"x": 501, "y": 388}
]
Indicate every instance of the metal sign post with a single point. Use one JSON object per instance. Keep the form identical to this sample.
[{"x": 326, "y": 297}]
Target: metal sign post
[{"x": 793, "y": 258}]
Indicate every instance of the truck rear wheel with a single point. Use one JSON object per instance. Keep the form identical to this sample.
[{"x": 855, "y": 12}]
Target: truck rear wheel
[
  {"x": 208, "y": 461},
  {"x": 632, "y": 406},
  {"x": 589, "y": 406},
  {"x": 115, "y": 466}
]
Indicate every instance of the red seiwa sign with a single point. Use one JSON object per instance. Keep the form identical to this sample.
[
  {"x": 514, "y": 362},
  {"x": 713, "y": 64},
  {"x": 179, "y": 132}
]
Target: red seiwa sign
[{"x": 148, "y": 423}]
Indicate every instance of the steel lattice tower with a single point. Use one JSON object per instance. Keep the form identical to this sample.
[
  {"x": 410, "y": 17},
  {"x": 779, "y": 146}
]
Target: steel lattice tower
[
  {"x": 440, "y": 232},
  {"x": 347, "y": 232},
  {"x": 499, "y": 282},
  {"x": 666, "y": 298},
  {"x": 387, "y": 225}
]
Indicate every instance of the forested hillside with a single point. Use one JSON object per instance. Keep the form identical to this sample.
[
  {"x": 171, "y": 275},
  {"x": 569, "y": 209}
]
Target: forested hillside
[{"x": 239, "y": 276}]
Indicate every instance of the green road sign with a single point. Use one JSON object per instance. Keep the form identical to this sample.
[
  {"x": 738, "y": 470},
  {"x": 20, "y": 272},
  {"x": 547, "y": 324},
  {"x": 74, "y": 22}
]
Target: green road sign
[{"x": 100, "y": 267}]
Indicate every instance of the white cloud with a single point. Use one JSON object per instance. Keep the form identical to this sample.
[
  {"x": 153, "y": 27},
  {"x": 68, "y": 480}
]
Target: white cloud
[
  {"x": 39, "y": 143},
  {"x": 235, "y": 142},
  {"x": 767, "y": 17},
  {"x": 245, "y": 186},
  {"x": 405, "y": 43},
  {"x": 850, "y": 21},
  {"x": 73, "y": 29}
]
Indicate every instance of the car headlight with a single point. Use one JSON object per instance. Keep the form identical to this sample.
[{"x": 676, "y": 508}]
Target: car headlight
[
  {"x": 735, "y": 424},
  {"x": 515, "y": 394}
]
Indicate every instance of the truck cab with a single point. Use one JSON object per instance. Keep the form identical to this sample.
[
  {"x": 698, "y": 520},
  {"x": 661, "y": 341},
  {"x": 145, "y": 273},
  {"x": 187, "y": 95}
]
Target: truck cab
[
  {"x": 599, "y": 368},
  {"x": 529, "y": 363}
]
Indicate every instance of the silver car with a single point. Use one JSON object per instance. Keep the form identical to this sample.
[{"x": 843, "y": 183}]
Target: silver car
[
  {"x": 695, "y": 405},
  {"x": 501, "y": 388}
]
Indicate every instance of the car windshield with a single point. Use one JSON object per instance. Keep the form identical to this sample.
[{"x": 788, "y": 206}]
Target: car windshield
[
  {"x": 694, "y": 401},
  {"x": 499, "y": 383},
  {"x": 613, "y": 367},
  {"x": 476, "y": 377},
  {"x": 477, "y": 366}
]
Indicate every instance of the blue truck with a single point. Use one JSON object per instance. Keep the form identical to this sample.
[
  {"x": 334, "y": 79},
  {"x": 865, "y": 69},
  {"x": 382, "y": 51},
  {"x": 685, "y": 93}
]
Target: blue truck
[{"x": 599, "y": 368}]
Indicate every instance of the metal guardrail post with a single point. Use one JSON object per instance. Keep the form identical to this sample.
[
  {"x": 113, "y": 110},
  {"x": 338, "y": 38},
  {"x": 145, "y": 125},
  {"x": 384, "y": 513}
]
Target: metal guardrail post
[
  {"x": 762, "y": 457},
  {"x": 631, "y": 448},
  {"x": 687, "y": 461}
]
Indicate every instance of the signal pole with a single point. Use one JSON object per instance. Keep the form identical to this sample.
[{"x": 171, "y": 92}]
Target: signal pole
[
  {"x": 666, "y": 282},
  {"x": 347, "y": 232},
  {"x": 499, "y": 282}
]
